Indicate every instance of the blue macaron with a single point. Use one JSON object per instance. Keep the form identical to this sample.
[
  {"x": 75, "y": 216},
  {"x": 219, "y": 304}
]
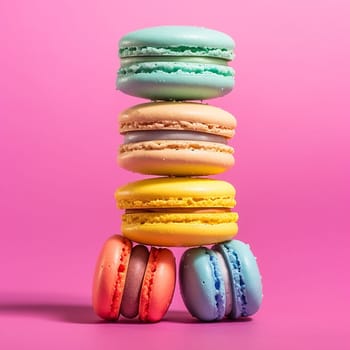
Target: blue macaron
[
  {"x": 176, "y": 63},
  {"x": 220, "y": 282}
]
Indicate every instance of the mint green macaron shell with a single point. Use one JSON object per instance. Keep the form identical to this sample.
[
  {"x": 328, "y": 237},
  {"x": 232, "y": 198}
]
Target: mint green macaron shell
[
  {"x": 177, "y": 41},
  {"x": 175, "y": 80}
]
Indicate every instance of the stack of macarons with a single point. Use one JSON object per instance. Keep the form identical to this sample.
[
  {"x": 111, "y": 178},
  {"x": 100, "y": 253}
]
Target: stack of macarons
[{"x": 180, "y": 140}]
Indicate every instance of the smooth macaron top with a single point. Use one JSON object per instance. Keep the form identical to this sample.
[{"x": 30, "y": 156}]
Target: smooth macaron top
[
  {"x": 177, "y": 41},
  {"x": 187, "y": 116},
  {"x": 176, "y": 192}
]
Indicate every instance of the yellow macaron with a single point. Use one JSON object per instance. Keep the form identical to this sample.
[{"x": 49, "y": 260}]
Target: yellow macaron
[{"x": 178, "y": 211}]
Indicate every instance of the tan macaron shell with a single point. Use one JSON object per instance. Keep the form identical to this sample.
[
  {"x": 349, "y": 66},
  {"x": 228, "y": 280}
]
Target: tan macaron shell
[
  {"x": 178, "y": 116},
  {"x": 176, "y": 158}
]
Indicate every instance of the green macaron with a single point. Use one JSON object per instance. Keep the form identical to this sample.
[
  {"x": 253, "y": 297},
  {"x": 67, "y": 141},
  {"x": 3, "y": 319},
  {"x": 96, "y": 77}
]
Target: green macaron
[{"x": 176, "y": 63}]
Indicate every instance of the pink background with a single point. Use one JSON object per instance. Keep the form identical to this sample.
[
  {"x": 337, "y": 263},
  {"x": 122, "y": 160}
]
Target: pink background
[{"x": 58, "y": 145}]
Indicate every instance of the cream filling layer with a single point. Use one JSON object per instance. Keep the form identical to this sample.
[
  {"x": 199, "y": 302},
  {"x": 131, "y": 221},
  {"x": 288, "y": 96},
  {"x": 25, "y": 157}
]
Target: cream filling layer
[
  {"x": 179, "y": 210},
  {"x": 202, "y": 60},
  {"x": 177, "y": 51},
  {"x": 153, "y": 135},
  {"x": 191, "y": 68}
]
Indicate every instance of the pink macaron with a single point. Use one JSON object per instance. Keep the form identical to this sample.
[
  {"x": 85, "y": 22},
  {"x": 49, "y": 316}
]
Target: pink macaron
[{"x": 131, "y": 281}]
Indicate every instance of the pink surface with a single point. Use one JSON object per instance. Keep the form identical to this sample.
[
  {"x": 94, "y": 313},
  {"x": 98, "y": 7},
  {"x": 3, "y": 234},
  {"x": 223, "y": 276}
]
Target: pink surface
[{"x": 58, "y": 140}]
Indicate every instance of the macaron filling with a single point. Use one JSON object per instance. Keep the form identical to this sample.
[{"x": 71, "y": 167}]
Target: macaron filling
[
  {"x": 218, "y": 283},
  {"x": 136, "y": 270},
  {"x": 188, "y": 59},
  {"x": 141, "y": 136},
  {"x": 176, "y": 67},
  {"x": 179, "y": 210},
  {"x": 227, "y": 285},
  {"x": 222, "y": 53},
  {"x": 239, "y": 287}
]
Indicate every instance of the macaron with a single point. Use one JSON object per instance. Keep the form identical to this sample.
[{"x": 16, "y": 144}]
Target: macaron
[
  {"x": 176, "y": 139},
  {"x": 131, "y": 281},
  {"x": 176, "y": 63},
  {"x": 178, "y": 211},
  {"x": 220, "y": 282}
]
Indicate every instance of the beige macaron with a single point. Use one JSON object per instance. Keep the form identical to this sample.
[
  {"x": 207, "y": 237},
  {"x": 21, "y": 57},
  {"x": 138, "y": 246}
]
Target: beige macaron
[{"x": 176, "y": 139}]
